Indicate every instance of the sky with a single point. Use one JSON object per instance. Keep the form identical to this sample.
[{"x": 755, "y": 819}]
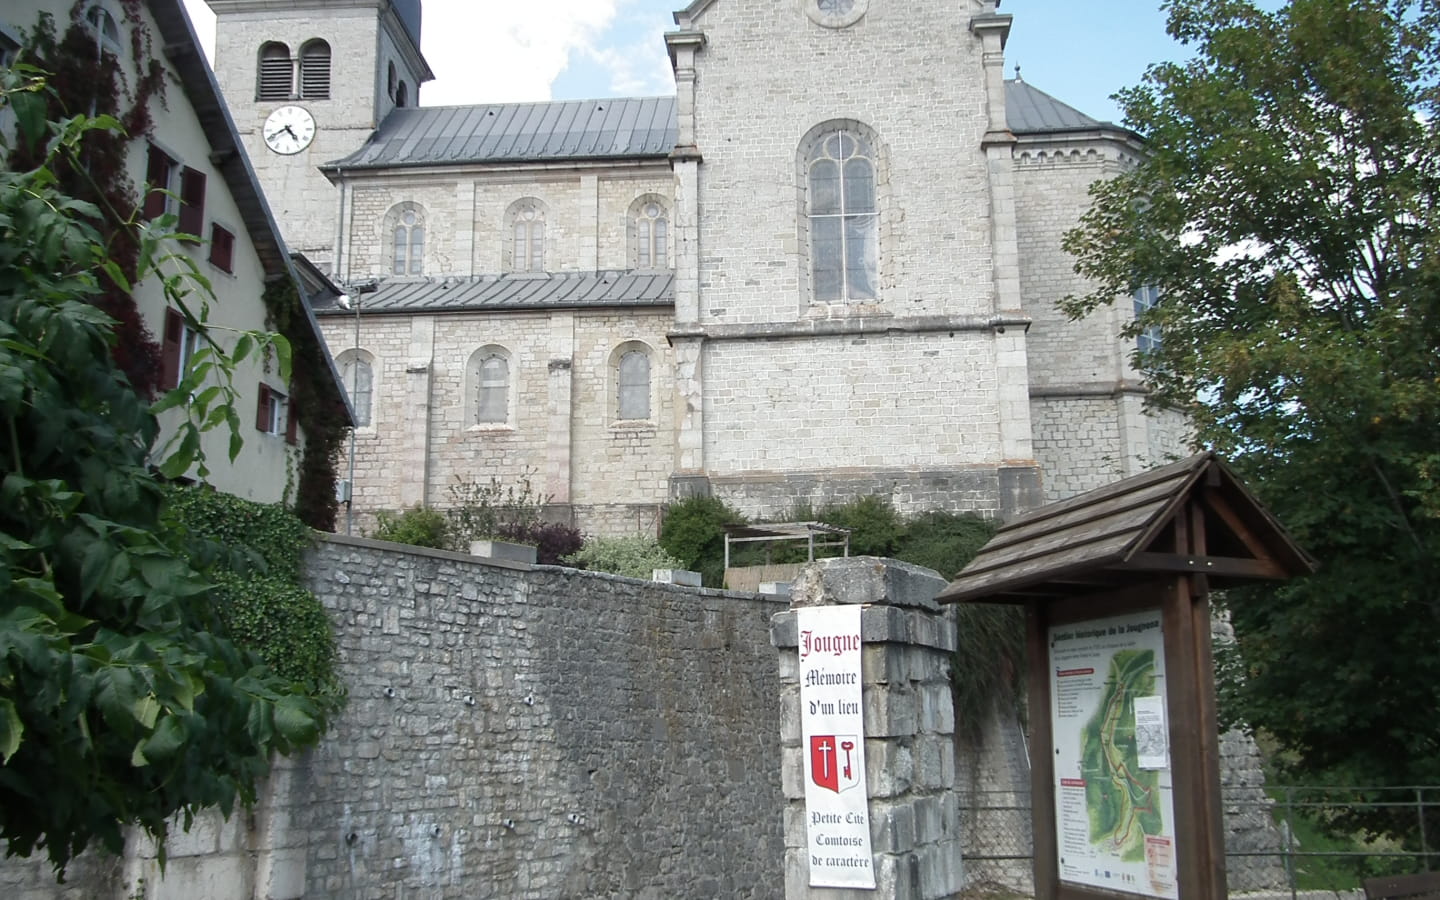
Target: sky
[{"x": 516, "y": 50}]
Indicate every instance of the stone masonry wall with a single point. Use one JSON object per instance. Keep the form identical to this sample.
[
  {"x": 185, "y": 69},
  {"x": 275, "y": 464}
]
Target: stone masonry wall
[{"x": 526, "y": 733}]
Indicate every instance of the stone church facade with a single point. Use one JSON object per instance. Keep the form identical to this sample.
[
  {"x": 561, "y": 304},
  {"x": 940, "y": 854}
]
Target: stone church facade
[{"x": 826, "y": 267}]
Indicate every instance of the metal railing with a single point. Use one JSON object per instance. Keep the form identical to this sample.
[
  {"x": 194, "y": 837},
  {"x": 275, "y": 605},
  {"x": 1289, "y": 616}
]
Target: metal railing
[{"x": 1279, "y": 842}]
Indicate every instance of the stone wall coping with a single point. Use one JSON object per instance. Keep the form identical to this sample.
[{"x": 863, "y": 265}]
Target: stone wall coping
[
  {"x": 879, "y": 625},
  {"x": 867, "y": 579}
]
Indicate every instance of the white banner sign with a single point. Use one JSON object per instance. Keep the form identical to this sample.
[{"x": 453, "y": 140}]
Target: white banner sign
[{"x": 832, "y": 734}]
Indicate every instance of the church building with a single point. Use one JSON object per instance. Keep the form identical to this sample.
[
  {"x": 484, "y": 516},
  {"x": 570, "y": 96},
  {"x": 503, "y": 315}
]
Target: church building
[{"x": 827, "y": 266}]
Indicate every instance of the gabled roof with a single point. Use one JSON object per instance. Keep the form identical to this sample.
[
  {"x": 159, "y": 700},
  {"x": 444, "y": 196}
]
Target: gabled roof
[
  {"x": 1125, "y": 532},
  {"x": 227, "y": 153},
  {"x": 622, "y": 128},
  {"x": 562, "y": 290}
]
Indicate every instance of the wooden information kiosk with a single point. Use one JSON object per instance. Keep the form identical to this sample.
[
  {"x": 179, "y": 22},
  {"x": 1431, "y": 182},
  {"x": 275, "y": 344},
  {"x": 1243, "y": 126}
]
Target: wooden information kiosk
[{"x": 1116, "y": 583}]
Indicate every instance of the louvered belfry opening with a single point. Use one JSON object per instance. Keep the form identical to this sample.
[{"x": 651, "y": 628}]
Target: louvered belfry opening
[
  {"x": 276, "y": 72},
  {"x": 315, "y": 70}
]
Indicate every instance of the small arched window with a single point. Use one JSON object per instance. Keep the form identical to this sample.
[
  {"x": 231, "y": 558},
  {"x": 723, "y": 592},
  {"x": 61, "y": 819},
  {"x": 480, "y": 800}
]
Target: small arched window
[
  {"x": 104, "y": 29},
  {"x": 315, "y": 70},
  {"x": 276, "y": 72},
  {"x": 402, "y": 95},
  {"x": 488, "y": 374},
  {"x": 843, "y": 217},
  {"x": 407, "y": 242},
  {"x": 358, "y": 374},
  {"x": 527, "y": 236},
  {"x": 391, "y": 82},
  {"x": 651, "y": 235},
  {"x": 633, "y": 385}
]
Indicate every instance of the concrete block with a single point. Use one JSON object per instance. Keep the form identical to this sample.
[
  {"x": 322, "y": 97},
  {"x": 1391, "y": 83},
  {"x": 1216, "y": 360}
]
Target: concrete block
[
  {"x": 683, "y": 577},
  {"x": 867, "y": 579},
  {"x": 775, "y": 588},
  {"x": 280, "y": 874},
  {"x": 889, "y": 768},
  {"x": 523, "y": 553},
  {"x": 889, "y": 712}
]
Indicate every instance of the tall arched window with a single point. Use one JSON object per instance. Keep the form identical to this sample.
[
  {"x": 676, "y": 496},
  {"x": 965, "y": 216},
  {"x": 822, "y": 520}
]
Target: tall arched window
[
  {"x": 276, "y": 72},
  {"x": 315, "y": 70},
  {"x": 391, "y": 82},
  {"x": 358, "y": 375},
  {"x": 527, "y": 236},
  {"x": 407, "y": 240},
  {"x": 402, "y": 95},
  {"x": 104, "y": 29},
  {"x": 843, "y": 217},
  {"x": 633, "y": 385},
  {"x": 650, "y": 235},
  {"x": 489, "y": 376}
]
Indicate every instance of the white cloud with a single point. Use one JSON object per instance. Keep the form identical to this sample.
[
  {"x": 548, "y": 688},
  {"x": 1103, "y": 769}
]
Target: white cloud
[{"x": 506, "y": 50}]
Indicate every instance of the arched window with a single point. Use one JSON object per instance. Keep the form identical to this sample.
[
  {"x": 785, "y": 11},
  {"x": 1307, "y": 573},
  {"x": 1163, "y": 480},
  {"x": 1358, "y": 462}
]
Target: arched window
[
  {"x": 407, "y": 240},
  {"x": 358, "y": 374},
  {"x": 391, "y": 82},
  {"x": 315, "y": 70},
  {"x": 104, "y": 29},
  {"x": 650, "y": 235},
  {"x": 527, "y": 236},
  {"x": 402, "y": 95},
  {"x": 633, "y": 384},
  {"x": 1146, "y": 297},
  {"x": 489, "y": 377},
  {"x": 843, "y": 217},
  {"x": 276, "y": 72}
]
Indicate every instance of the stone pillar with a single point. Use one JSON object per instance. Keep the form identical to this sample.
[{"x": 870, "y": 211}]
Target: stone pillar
[{"x": 909, "y": 728}]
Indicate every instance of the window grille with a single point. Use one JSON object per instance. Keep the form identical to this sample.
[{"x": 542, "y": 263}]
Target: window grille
[
  {"x": 650, "y": 236},
  {"x": 277, "y": 73},
  {"x": 409, "y": 245},
  {"x": 315, "y": 71}
]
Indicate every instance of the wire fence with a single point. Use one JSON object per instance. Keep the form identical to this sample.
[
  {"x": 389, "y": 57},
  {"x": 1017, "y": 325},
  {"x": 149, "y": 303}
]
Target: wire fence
[{"x": 1280, "y": 842}]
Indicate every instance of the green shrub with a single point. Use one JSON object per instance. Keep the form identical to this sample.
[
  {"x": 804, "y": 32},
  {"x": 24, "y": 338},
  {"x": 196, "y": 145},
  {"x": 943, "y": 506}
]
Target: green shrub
[
  {"x": 875, "y": 527},
  {"x": 694, "y": 533},
  {"x": 418, "y": 525},
  {"x": 943, "y": 541},
  {"x": 636, "y": 556}
]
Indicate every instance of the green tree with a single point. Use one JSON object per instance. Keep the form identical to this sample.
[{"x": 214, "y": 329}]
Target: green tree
[
  {"x": 122, "y": 701},
  {"x": 1287, "y": 211}
]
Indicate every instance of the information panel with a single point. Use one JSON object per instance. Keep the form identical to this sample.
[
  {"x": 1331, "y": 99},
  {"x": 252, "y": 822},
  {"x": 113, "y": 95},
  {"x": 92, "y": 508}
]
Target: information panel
[
  {"x": 832, "y": 734},
  {"x": 1113, "y": 792}
]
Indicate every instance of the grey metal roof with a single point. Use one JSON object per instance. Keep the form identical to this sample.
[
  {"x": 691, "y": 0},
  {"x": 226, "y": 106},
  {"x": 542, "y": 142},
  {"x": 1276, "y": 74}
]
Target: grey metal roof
[
  {"x": 563, "y": 290},
  {"x": 1029, "y": 110},
  {"x": 514, "y": 132},
  {"x": 617, "y": 128}
]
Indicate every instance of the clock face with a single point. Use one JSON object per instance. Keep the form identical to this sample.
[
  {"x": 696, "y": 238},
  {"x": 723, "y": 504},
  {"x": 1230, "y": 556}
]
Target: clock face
[{"x": 289, "y": 129}]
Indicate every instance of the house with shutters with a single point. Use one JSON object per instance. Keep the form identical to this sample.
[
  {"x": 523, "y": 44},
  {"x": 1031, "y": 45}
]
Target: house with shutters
[
  {"x": 827, "y": 266},
  {"x": 191, "y": 164}
]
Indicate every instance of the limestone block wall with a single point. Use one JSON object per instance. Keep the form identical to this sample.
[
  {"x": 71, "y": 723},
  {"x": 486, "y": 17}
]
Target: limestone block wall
[
  {"x": 563, "y": 433},
  {"x": 929, "y": 118},
  {"x": 518, "y": 733},
  {"x": 865, "y": 402}
]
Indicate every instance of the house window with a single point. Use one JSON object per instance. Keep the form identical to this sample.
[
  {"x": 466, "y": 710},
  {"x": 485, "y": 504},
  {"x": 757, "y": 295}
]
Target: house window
[
  {"x": 843, "y": 218},
  {"x": 358, "y": 375},
  {"x": 222, "y": 249},
  {"x": 527, "y": 245},
  {"x": 159, "y": 175},
  {"x": 651, "y": 234},
  {"x": 633, "y": 385},
  {"x": 277, "y": 73},
  {"x": 102, "y": 26},
  {"x": 181, "y": 343},
  {"x": 315, "y": 70},
  {"x": 391, "y": 82},
  {"x": 192, "y": 201},
  {"x": 1145, "y": 300},
  {"x": 272, "y": 411},
  {"x": 407, "y": 240},
  {"x": 402, "y": 95}
]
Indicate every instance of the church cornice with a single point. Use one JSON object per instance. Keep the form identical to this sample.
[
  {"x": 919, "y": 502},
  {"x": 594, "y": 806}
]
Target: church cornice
[{"x": 866, "y": 326}]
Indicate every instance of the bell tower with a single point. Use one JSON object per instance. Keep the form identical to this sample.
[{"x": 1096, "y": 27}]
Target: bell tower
[{"x": 307, "y": 82}]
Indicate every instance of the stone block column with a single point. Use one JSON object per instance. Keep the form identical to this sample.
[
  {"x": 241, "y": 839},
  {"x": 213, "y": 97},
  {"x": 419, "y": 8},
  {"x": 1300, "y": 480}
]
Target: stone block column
[{"x": 908, "y": 641}]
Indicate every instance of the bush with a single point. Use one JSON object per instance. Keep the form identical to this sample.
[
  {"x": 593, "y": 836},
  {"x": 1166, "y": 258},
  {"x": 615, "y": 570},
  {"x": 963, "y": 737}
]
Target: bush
[
  {"x": 637, "y": 556},
  {"x": 553, "y": 541},
  {"x": 875, "y": 526},
  {"x": 694, "y": 533},
  {"x": 418, "y": 526},
  {"x": 943, "y": 541}
]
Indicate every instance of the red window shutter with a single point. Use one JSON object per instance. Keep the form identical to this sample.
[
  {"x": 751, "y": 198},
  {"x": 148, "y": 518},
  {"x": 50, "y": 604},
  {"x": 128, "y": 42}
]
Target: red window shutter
[
  {"x": 222, "y": 249},
  {"x": 157, "y": 178},
  {"x": 262, "y": 409},
  {"x": 192, "y": 201},
  {"x": 170, "y": 350}
]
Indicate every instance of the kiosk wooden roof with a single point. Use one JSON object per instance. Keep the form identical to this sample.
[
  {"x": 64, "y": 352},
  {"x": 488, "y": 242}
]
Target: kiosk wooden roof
[{"x": 1127, "y": 532}]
